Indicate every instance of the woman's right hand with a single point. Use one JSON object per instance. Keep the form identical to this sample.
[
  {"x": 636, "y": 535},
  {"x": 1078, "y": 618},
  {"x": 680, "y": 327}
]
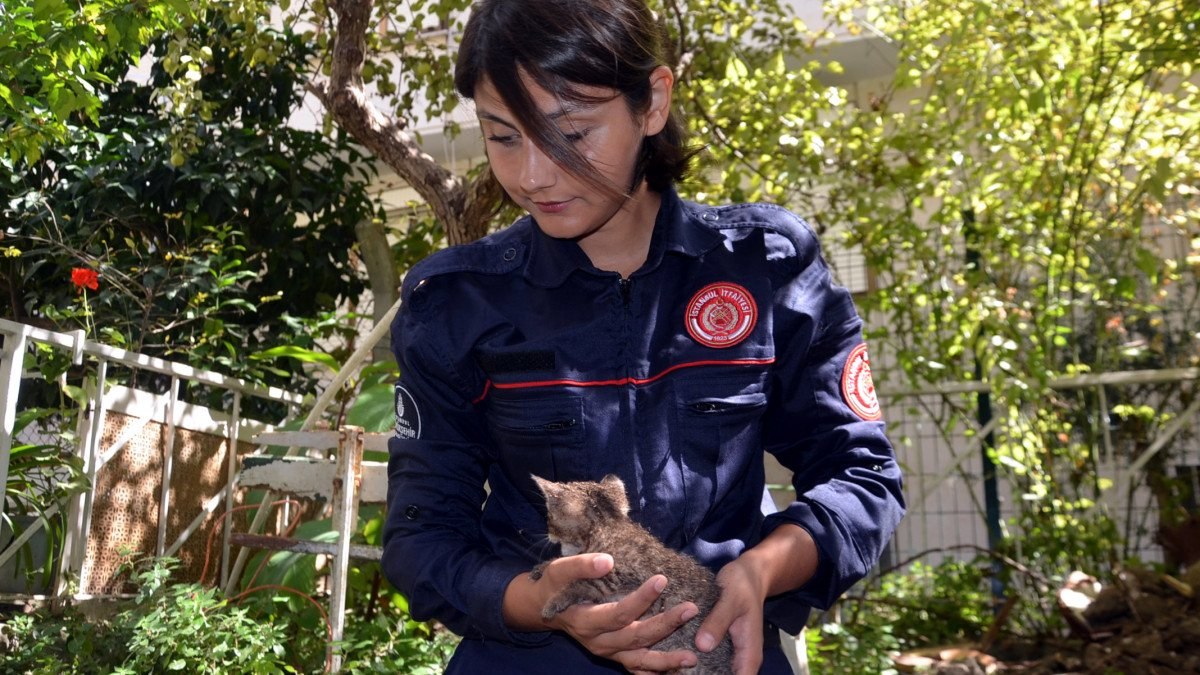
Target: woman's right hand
[{"x": 611, "y": 630}]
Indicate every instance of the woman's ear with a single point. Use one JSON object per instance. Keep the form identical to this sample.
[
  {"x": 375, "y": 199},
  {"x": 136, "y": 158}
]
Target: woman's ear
[{"x": 662, "y": 81}]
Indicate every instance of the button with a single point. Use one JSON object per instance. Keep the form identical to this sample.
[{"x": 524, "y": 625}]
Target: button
[
  {"x": 412, "y": 511},
  {"x": 710, "y": 215},
  {"x": 510, "y": 254},
  {"x": 877, "y": 467}
]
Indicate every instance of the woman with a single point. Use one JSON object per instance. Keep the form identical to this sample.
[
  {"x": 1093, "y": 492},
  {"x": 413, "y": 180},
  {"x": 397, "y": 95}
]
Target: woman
[{"x": 618, "y": 329}]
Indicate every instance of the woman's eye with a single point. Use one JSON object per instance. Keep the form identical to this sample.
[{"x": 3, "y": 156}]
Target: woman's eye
[
  {"x": 576, "y": 136},
  {"x": 506, "y": 141}
]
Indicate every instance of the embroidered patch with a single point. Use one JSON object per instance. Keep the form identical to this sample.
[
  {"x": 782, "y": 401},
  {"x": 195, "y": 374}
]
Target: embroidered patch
[
  {"x": 721, "y": 315},
  {"x": 408, "y": 417},
  {"x": 857, "y": 386}
]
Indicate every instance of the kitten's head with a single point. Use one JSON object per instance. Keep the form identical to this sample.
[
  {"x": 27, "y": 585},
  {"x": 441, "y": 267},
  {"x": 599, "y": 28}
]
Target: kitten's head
[{"x": 575, "y": 510}]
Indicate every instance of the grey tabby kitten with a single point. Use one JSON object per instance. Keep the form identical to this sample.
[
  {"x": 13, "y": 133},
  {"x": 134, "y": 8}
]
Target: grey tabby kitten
[{"x": 590, "y": 517}]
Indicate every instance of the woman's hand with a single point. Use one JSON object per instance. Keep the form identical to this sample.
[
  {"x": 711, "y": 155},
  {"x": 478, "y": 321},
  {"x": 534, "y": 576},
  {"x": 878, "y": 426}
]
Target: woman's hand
[
  {"x": 611, "y": 630},
  {"x": 740, "y": 613},
  {"x": 781, "y": 562}
]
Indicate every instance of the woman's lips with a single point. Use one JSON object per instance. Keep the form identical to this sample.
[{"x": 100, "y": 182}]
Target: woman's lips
[{"x": 552, "y": 207}]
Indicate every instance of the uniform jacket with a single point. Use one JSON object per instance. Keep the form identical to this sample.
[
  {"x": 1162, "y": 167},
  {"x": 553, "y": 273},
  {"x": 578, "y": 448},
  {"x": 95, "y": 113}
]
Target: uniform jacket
[{"x": 518, "y": 357}]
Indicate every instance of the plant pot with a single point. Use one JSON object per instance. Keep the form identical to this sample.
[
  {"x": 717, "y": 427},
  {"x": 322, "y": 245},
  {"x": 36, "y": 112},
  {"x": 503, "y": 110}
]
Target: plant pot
[{"x": 20, "y": 574}]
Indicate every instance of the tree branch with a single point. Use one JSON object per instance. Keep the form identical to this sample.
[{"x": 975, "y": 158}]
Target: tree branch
[
  {"x": 484, "y": 200},
  {"x": 344, "y": 97}
]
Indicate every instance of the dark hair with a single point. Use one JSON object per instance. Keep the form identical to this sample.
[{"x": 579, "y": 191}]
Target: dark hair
[{"x": 560, "y": 45}]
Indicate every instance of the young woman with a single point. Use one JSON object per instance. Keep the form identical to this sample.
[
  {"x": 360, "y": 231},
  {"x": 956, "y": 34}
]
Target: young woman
[{"x": 619, "y": 329}]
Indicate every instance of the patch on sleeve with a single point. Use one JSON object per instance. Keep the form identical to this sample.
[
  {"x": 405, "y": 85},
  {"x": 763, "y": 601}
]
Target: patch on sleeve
[
  {"x": 408, "y": 417},
  {"x": 721, "y": 315},
  {"x": 858, "y": 389}
]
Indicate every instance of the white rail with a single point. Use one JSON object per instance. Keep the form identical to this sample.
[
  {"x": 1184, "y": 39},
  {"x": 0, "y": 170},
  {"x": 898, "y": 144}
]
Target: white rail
[{"x": 18, "y": 337}]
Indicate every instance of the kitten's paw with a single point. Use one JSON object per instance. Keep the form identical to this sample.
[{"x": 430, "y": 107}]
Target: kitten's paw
[
  {"x": 555, "y": 605},
  {"x": 537, "y": 572}
]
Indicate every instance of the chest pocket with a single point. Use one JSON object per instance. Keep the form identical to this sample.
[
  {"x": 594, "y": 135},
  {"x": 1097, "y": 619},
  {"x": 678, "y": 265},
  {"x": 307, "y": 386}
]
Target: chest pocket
[
  {"x": 540, "y": 435},
  {"x": 718, "y": 438}
]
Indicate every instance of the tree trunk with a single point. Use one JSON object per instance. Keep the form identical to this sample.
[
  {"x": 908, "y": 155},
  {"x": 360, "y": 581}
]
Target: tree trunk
[
  {"x": 381, "y": 271},
  {"x": 465, "y": 210}
]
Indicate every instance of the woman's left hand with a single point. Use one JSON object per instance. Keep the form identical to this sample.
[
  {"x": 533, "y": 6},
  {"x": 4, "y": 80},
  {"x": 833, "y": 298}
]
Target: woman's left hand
[
  {"x": 740, "y": 613},
  {"x": 784, "y": 560}
]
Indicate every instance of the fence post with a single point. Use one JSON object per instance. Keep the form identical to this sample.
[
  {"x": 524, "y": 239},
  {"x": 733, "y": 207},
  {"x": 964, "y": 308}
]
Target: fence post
[
  {"x": 991, "y": 493},
  {"x": 345, "y": 517},
  {"x": 12, "y": 367},
  {"x": 79, "y": 514}
]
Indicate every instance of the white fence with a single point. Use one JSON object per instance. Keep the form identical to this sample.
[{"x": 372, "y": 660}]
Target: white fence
[{"x": 102, "y": 441}]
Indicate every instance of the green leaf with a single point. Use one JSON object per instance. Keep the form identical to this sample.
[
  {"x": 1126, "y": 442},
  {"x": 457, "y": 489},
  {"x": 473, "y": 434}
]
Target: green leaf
[
  {"x": 736, "y": 70},
  {"x": 300, "y": 354},
  {"x": 374, "y": 408}
]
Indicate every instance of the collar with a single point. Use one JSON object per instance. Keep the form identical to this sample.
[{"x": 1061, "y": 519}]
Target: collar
[{"x": 676, "y": 229}]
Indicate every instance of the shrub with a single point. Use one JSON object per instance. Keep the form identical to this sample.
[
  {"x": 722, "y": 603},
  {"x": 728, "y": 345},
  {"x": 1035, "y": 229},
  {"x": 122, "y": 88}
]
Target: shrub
[{"x": 167, "y": 628}]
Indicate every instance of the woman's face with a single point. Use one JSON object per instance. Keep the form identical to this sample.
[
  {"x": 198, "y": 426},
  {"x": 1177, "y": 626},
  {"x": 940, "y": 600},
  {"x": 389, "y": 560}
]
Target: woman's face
[{"x": 607, "y": 134}]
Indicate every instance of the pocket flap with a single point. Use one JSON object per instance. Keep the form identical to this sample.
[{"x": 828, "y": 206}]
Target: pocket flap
[{"x": 557, "y": 418}]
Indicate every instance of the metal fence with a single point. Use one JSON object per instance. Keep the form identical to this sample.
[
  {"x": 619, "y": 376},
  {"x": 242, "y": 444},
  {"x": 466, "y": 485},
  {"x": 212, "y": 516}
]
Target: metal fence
[
  {"x": 115, "y": 419},
  {"x": 940, "y": 444}
]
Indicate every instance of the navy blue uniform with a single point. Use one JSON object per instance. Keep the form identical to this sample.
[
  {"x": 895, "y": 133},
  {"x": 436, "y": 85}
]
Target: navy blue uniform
[{"x": 518, "y": 357}]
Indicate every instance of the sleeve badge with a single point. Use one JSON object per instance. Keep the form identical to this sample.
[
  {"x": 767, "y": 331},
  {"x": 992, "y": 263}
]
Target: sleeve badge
[
  {"x": 858, "y": 389},
  {"x": 408, "y": 417}
]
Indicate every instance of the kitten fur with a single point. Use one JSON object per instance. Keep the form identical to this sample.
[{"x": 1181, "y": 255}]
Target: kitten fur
[{"x": 590, "y": 517}]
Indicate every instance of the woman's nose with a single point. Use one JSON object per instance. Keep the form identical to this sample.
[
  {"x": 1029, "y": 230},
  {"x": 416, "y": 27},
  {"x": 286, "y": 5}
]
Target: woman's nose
[{"x": 538, "y": 171}]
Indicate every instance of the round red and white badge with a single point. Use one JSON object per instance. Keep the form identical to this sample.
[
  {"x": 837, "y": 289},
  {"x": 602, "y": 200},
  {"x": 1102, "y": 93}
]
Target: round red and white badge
[
  {"x": 857, "y": 386},
  {"x": 721, "y": 315}
]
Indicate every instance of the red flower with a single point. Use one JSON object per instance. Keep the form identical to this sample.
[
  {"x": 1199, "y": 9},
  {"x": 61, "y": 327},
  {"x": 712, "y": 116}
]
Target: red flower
[{"x": 82, "y": 277}]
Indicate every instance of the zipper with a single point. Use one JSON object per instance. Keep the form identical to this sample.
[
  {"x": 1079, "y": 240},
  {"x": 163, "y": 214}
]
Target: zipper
[
  {"x": 556, "y": 426},
  {"x": 624, "y": 284},
  {"x": 711, "y": 407}
]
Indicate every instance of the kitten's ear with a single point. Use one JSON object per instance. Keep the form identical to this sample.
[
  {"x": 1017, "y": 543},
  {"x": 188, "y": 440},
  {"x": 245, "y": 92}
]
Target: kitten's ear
[
  {"x": 549, "y": 488},
  {"x": 614, "y": 488}
]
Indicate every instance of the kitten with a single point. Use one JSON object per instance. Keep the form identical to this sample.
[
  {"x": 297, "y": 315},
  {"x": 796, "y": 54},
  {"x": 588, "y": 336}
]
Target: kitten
[{"x": 589, "y": 517}]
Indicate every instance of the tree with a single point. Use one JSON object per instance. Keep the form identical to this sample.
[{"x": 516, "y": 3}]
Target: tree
[
  {"x": 55, "y": 54},
  {"x": 714, "y": 50},
  {"x": 255, "y": 228},
  {"x": 1011, "y": 187},
  {"x": 1001, "y": 186}
]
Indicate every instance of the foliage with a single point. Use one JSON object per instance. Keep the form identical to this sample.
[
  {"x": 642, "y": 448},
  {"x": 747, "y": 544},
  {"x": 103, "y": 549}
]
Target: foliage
[
  {"x": 54, "y": 55},
  {"x": 189, "y": 627},
  {"x": 1025, "y": 189},
  {"x": 380, "y": 636},
  {"x": 185, "y": 627},
  {"x": 167, "y": 628},
  {"x": 58, "y": 57},
  {"x": 387, "y": 644},
  {"x": 749, "y": 85},
  {"x": 42, "y": 476},
  {"x": 255, "y": 228},
  {"x": 922, "y": 606}
]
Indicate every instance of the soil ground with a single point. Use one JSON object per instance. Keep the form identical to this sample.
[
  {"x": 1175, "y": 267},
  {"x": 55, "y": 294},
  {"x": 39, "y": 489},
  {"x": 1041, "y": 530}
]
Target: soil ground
[{"x": 1143, "y": 624}]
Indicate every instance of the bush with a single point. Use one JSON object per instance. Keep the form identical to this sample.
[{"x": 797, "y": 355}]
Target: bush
[
  {"x": 380, "y": 635},
  {"x": 167, "y": 628},
  {"x": 927, "y": 605}
]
